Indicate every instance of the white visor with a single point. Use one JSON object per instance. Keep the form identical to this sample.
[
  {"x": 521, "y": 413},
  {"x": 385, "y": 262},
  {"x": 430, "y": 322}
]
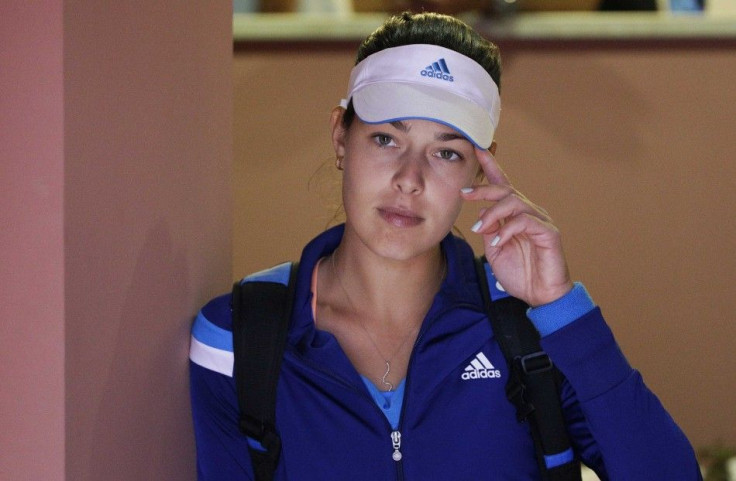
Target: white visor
[{"x": 426, "y": 82}]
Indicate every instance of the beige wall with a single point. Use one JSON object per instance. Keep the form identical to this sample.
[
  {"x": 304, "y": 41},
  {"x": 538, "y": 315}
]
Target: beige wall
[
  {"x": 629, "y": 146},
  {"x": 148, "y": 152},
  {"x": 116, "y": 213}
]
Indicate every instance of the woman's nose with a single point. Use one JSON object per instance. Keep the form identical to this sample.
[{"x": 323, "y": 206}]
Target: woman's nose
[{"x": 409, "y": 176}]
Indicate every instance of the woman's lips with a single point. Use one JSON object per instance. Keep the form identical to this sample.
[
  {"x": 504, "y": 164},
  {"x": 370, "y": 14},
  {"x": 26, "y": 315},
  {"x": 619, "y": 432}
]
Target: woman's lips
[{"x": 400, "y": 217}]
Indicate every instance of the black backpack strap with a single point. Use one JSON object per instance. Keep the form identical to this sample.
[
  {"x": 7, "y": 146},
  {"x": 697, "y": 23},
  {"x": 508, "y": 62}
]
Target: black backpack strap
[
  {"x": 261, "y": 315},
  {"x": 533, "y": 384}
]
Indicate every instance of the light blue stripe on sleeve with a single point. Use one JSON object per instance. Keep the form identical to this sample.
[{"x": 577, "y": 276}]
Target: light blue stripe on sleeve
[
  {"x": 279, "y": 274},
  {"x": 207, "y": 333},
  {"x": 556, "y": 315},
  {"x": 559, "y": 459}
]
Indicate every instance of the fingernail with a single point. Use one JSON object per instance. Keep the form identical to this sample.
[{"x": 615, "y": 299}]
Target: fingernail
[
  {"x": 495, "y": 241},
  {"x": 467, "y": 190},
  {"x": 476, "y": 227}
]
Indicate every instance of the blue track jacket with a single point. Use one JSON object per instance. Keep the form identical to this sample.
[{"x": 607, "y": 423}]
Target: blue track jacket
[{"x": 453, "y": 425}]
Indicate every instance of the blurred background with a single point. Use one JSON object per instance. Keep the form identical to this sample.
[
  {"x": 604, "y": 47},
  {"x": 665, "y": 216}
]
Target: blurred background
[{"x": 616, "y": 116}]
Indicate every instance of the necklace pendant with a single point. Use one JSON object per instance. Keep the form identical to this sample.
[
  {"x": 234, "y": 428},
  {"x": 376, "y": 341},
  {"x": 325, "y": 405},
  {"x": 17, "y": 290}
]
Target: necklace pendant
[{"x": 387, "y": 384}]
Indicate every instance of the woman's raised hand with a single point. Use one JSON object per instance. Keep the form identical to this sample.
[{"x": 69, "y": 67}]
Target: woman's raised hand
[{"x": 520, "y": 240}]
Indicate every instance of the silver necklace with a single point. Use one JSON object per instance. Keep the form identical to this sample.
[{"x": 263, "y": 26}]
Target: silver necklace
[{"x": 388, "y": 385}]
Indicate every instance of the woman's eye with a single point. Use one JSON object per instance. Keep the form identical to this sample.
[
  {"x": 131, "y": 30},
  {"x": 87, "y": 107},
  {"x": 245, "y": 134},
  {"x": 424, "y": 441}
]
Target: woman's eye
[
  {"x": 383, "y": 140},
  {"x": 446, "y": 154}
]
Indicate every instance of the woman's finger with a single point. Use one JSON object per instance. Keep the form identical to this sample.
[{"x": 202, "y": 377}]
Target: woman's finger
[
  {"x": 505, "y": 210},
  {"x": 491, "y": 168},
  {"x": 541, "y": 233},
  {"x": 489, "y": 192}
]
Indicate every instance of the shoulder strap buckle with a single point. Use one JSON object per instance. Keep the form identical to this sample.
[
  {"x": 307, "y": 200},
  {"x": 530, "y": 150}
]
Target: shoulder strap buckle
[{"x": 535, "y": 363}]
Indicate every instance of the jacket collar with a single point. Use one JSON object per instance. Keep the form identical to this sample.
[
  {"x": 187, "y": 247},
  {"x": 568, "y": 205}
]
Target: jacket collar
[{"x": 460, "y": 285}]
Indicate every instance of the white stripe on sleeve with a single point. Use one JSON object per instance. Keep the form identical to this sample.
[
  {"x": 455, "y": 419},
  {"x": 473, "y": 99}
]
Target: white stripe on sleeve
[{"x": 211, "y": 358}]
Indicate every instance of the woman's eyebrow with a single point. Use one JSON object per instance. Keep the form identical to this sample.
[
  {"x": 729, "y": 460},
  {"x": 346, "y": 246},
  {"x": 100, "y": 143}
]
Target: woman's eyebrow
[{"x": 447, "y": 136}]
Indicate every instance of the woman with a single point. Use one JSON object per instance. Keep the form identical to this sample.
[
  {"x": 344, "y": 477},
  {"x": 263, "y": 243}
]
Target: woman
[{"x": 388, "y": 323}]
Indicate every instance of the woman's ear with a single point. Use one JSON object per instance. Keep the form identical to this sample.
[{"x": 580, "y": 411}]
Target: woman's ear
[{"x": 338, "y": 131}]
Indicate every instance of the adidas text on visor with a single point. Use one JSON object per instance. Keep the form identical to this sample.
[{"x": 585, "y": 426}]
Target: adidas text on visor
[{"x": 426, "y": 82}]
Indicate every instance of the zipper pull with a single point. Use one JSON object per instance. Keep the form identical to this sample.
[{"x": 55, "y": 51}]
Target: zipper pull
[{"x": 396, "y": 443}]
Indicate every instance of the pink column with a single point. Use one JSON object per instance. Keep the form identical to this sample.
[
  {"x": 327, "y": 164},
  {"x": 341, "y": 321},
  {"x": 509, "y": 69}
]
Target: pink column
[
  {"x": 31, "y": 242},
  {"x": 118, "y": 133}
]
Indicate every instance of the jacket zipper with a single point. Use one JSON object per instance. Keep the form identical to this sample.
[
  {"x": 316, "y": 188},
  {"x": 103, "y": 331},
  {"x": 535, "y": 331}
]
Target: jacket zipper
[
  {"x": 396, "y": 442},
  {"x": 397, "y": 456},
  {"x": 395, "y": 434}
]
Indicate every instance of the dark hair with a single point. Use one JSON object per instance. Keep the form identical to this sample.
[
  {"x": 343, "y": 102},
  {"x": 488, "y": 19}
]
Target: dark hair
[{"x": 434, "y": 29}]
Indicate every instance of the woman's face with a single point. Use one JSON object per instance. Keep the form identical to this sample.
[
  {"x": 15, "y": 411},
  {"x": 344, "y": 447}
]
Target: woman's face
[{"x": 401, "y": 183}]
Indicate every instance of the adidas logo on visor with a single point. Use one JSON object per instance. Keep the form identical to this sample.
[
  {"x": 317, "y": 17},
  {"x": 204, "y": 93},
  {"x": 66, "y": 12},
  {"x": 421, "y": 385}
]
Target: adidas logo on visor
[
  {"x": 438, "y": 70},
  {"x": 480, "y": 368}
]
